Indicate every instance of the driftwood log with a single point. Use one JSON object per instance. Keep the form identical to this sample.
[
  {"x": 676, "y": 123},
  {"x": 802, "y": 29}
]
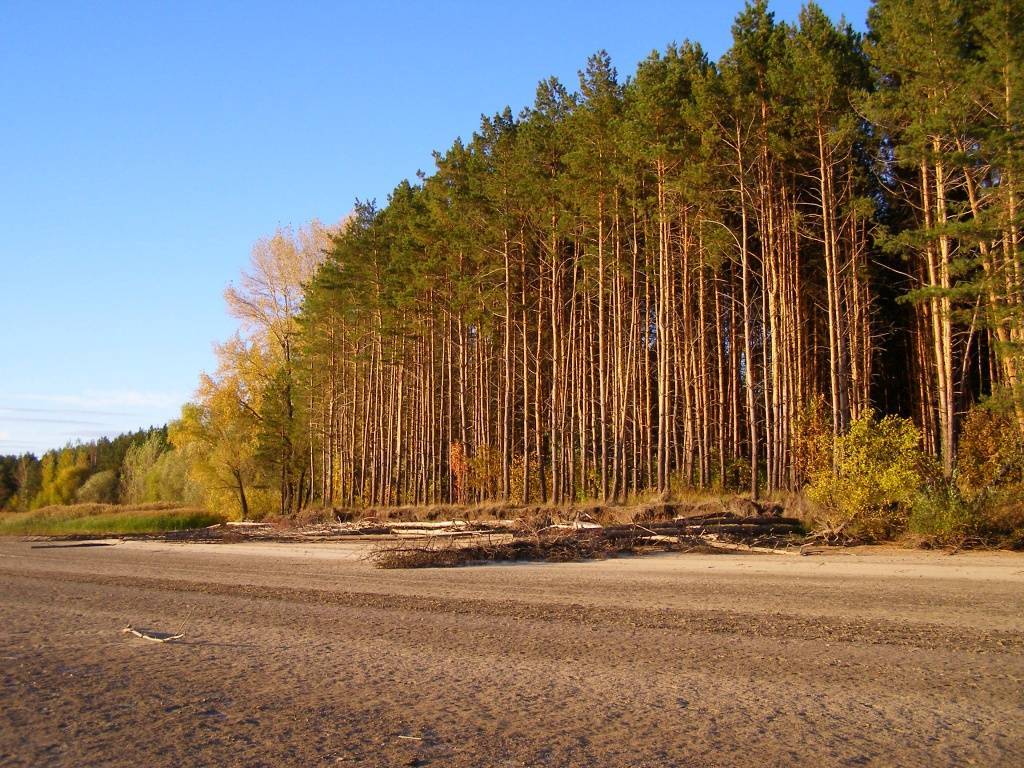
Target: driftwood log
[
  {"x": 156, "y": 637},
  {"x": 735, "y": 546}
]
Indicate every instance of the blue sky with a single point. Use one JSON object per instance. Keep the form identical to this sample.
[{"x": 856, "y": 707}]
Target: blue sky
[{"x": 145, "y": 146}]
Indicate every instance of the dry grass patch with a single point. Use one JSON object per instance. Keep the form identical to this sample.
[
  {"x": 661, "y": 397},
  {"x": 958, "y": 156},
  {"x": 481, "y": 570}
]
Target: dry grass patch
[{"x": 106, "y": 519}]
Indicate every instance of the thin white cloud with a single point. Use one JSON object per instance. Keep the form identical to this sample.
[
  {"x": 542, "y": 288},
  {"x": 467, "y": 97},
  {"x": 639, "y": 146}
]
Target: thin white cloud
[
  {"x": 118, "y": 398},
  {"x": 50, "y": 420},
  {"x": 7, "y": 447},
  {"x": 76, "y": 411},
  {"x": 40, "y": 421}
]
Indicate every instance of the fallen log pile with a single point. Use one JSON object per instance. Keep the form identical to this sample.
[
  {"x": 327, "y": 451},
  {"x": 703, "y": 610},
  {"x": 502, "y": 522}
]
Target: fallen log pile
[
  {"x": 587, "y": 541},
  {"x": 326, "y": 532},
  {"x": 436, "y": 552},
  {"x": 551, "y": 535},
  {"x": 720, "y": 524}
]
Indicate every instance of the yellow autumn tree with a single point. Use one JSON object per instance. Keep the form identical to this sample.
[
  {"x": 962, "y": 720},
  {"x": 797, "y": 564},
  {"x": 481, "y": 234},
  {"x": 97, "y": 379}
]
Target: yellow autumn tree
[
  {"x": 217, "y": 433},
  {"x": 267, "y": 300}
]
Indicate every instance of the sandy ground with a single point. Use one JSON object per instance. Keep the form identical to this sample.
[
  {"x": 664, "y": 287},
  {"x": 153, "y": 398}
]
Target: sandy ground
[{"x": 305, "y": 655}]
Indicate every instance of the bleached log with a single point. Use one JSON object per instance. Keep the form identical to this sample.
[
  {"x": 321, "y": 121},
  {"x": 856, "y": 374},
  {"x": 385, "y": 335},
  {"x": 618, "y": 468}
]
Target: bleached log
[
  {"x": 743, "y": 529},
  {"x": 578, "y": 525},
  {"x": 692, "y": 522},
  {"x": 416, "y": 533},
  {"x": 729, "y": 546}
]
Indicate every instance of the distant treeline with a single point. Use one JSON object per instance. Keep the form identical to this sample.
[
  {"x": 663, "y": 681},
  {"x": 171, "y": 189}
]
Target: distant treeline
[{"x": 132, "y": 468}]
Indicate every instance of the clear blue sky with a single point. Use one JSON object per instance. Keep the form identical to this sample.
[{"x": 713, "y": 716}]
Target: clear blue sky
[{"x": 145, "y": 146}]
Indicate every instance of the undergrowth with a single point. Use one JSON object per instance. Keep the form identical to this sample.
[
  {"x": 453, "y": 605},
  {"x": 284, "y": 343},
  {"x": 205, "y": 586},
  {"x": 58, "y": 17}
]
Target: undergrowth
[{"x": 99, "y": 519}]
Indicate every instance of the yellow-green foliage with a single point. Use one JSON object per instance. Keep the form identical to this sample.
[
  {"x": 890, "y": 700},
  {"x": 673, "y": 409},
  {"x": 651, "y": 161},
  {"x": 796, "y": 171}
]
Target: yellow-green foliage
[
  {"x": 97, "y": 519},
  {"x": 990, "y": 452},
  {"x": 485, "y": 472},
  {"x": 812, "y": 439},
  {"x": 878, "y": 472},
  {"x": 62, "y": 474},
  {"x": 152, "y": 471},
  {"x": 100, "y": 488},
  {"x": 941, "y": 513},
  {"x": 218, "y": 445},
  {"x": 984, "y": 499}
]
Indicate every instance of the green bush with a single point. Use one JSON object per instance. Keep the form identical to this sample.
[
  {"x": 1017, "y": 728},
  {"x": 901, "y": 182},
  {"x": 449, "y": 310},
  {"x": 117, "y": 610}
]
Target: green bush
[
  {"x": 876, "y": 476},
  {"x": 941, "y": 514},
  {"x": 139, "y": 460},
  {"x": 100, "y": 488},
  {"x": 988, "y": 480}
]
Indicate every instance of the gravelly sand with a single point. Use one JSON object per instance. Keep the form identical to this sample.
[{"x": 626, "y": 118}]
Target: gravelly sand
[{"x": 305, "y": 655}]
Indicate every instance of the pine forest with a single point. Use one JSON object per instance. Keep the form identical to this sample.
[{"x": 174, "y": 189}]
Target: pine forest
[{"x": 725, "y": 275}]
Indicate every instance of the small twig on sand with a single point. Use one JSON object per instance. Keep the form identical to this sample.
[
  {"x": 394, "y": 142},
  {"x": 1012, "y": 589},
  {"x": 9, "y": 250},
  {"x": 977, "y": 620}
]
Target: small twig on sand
[{"x": 184, "y": 624}]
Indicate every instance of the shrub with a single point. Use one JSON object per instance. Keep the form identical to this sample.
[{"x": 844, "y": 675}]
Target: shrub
[
  {"x": 1003, "y": 520},
  {"x": 941, "y": 513},
  {"x": 878, "y": 471},
  {"x": 988, "y": 480},
  {"x": 139, "y": 460},
  {"x": 101, "y": 488},
  {"x": 168, "y": 480},
  {"x": 990, "y": 452}
]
